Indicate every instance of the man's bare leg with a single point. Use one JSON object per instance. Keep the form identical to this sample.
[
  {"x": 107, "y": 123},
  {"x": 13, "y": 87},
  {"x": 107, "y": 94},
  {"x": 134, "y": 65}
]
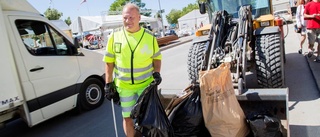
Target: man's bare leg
[
  {"x": 128, "y": 127},
  {"x": 303, "y": 38}
]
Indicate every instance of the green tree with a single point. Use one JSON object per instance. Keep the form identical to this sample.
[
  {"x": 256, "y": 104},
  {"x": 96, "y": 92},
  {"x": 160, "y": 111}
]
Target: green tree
[
  {"x": 174, "y": 14},
  {"x": 68, "y": 21},
  {"x": 189, "y": 8},
  {"x": 142, "y": 7},
  {"x": 52, "y": 14},
  {"x": 157, "y": 15},
  {"x": 117, "y": 6}
]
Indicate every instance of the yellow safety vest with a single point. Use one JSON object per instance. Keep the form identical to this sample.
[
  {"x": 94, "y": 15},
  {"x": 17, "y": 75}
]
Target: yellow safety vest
[{"x": 132, "y": 54}]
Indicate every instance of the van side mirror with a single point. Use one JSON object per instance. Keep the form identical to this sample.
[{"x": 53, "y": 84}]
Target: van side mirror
[
  {"x": 76, "y": 42},
  {"x": 202, "y": 7},
  {"x": 74, "y": 49}
]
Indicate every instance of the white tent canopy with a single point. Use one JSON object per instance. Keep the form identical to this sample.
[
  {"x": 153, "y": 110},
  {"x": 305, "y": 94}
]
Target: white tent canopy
[
  {"x": 61, "y": 24},
  {"x": 87, "y": 23},
  {"x": 91, "y": 23},
  {"x": 192, "y": 20}
]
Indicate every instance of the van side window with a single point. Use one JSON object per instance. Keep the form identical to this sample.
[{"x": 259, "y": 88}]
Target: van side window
[{"x": 42, "y": 40}]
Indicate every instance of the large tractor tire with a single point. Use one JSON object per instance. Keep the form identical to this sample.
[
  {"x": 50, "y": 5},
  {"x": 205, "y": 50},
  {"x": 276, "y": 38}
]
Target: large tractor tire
[
  {"x": 269, "y": 61},
  {"x": 195, "y": 58}
]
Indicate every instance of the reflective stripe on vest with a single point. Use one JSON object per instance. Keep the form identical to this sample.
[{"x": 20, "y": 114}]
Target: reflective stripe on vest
[
  {"x": 108, "y": 54},
  {"x": 137, "y": 77},
  {"x": 135, "y": 70},
  {"x": 156, "y": 54}
]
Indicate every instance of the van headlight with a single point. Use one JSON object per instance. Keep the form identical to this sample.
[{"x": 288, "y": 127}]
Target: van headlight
[{"x": 264, "y": 23}]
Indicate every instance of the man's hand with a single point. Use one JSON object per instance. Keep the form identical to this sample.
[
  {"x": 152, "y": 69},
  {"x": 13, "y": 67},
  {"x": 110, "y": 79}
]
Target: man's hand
[
  {"x": 157, "y": 77},
  {"x": 315, "y": 15},
  {"x": 111, "y": 92}
]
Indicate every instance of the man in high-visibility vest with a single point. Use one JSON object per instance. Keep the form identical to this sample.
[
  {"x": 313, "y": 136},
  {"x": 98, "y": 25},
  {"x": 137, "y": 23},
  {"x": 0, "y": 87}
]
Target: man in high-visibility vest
[{"x": 133, "y": 55}]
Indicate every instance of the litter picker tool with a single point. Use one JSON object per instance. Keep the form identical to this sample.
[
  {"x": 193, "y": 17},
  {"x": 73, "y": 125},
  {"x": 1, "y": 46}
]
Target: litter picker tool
[{"x": 114, "y": 118}]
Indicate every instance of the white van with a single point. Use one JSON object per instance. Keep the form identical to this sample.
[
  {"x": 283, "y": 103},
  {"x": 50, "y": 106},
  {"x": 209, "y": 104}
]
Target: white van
[{"x": 43, "y": 73}]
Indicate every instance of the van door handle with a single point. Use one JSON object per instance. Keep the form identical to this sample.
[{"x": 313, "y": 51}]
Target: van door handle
[{"x": 36, "y": 69}]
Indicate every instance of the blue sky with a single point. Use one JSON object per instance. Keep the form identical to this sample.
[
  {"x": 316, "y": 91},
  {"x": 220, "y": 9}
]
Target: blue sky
[{"x": 73, "y": 9}]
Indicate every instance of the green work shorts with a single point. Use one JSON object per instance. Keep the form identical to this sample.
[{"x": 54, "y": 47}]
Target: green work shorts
[{"x": 128, "y": 99}]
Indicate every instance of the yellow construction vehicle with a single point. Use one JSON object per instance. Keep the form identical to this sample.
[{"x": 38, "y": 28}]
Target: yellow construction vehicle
[{"x": 247, "y": 35}]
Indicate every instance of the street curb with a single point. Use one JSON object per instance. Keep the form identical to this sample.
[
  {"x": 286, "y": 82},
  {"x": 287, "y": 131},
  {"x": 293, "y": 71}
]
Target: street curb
[
  {"x": 174, "y": 44},
  {"x": 314, "y": 72}
]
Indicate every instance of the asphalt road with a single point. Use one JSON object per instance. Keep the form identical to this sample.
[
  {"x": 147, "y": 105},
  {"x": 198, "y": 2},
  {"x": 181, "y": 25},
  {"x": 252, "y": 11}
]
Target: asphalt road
[
  {"x": 95, "y": 123},
  {"x": 303, "y": 103}
]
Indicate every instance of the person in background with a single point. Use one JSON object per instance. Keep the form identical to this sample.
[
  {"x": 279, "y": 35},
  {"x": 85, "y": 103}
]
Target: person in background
[
  {"x": 312, "y": 14},
  {"x": 85, "y": 43},
  {"x": 133, "y": 55},
  {"x": 301, "y": 23}
]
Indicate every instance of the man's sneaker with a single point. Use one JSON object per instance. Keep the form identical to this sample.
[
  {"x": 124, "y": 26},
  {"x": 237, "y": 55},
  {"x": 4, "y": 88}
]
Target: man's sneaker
[
  {"x": 310, "y": 54},
  {"x": 317, "y": 59},
  {"x": 300, "y": 51}
]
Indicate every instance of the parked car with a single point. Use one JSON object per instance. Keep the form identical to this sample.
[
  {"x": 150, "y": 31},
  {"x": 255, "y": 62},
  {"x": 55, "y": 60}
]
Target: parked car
[
  {"x": 170, "y": 32},
  {"x": 283, "y": 14},
  {"x": 157, "y": 35},
  {"x": 183, "y": 33}
]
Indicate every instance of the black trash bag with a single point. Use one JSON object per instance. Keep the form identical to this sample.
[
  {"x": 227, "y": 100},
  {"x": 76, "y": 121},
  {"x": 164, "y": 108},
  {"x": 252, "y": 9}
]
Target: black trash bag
[
  {"x": 265, "y": 125},
  {"x": 151, "y": 119},
  {"x": 187, "y": 119},
  {"x": 178, "y": 99}
]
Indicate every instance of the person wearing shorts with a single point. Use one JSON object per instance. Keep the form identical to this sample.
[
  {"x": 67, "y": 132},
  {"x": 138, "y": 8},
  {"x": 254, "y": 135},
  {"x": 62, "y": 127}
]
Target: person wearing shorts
[
  {"x": 312, "y": 14},
  {"x": 301, "y": 23},
  {"x": 134, "y": 59}
]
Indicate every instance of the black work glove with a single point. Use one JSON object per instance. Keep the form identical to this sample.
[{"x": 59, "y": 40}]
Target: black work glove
[
  {"x": 111, "y": 93},
  {"x": 157, "y": 77}
]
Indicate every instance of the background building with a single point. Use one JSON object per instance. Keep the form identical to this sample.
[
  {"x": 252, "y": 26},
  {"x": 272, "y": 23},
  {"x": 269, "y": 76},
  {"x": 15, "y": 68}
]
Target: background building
[{"x": 282, "y": 5}]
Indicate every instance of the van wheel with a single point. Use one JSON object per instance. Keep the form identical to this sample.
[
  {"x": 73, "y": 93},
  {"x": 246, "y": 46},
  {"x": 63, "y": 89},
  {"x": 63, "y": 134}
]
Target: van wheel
[{"x": 91, "y": 94}]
